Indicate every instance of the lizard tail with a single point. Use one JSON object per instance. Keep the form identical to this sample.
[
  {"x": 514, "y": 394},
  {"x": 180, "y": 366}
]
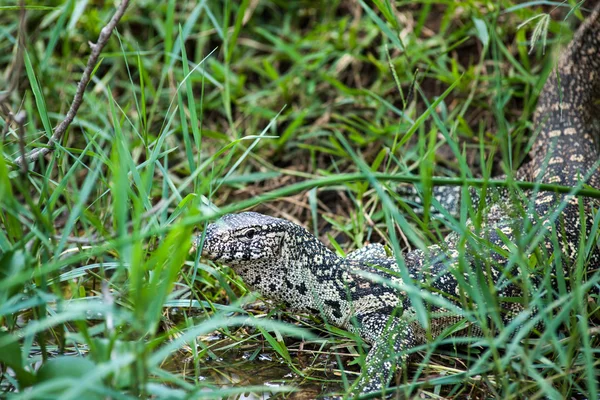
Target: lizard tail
[{"x": 567, "y": 144}]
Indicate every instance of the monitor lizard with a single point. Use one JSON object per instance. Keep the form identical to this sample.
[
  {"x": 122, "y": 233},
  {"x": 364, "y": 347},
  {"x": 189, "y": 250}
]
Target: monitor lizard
[{"x": 284, "y": 262}]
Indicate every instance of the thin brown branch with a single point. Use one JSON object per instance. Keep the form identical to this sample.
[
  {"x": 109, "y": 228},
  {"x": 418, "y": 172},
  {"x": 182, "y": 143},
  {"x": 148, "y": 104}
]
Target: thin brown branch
[
  {"x": 61, "y": 128},
  {"x": 17, "y": 64},
  {"x": 20, "y": 120},
  {"x": 92, "y": 240},
  {"x": 14, "y": 72}
]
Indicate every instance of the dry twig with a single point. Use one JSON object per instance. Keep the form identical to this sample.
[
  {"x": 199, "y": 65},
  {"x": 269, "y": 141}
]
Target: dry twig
[
  {"x": 14, "y": 72},
  {"x": 61, "y": 128},
  {"x": 20, "y": 120},
  {"x": 17, "y": 63}
]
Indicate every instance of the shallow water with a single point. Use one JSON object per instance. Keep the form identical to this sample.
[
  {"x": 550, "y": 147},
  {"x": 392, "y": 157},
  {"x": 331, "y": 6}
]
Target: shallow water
[{"x": 238, "y": 365}]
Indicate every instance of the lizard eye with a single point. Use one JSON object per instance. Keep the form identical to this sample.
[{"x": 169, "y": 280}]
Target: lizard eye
[{"x": 250, "y": 233}]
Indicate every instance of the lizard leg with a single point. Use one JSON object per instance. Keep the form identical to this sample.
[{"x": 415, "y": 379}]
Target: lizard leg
[
  {"x": 370, "y": 251},
  {"x": 390, "y": 337}
]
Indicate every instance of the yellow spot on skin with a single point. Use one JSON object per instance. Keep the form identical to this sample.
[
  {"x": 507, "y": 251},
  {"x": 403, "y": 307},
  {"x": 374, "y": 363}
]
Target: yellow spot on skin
[
  {"x": 544, "y": 200},
  {"x": 556, "y": 160},
  {"x": 554, "y": 133},
  {"x": 570, "y": 131},
  {"x": 577, "y": 158},
  {"x": 554, "y": 179},
  {"x": 573, "y": 200}
]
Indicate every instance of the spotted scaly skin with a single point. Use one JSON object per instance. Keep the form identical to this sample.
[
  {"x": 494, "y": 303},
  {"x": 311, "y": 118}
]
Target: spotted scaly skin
[{"x": 284, "y": 262}]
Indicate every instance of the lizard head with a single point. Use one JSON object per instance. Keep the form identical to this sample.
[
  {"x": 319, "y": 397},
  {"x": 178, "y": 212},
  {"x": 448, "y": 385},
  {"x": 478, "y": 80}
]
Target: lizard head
[
  {"x": 273, "y": 256},
  {"x": 245, "y": 238}
]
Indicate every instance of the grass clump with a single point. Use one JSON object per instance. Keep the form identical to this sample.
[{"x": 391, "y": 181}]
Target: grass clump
[{"x": 300, "y": 110}]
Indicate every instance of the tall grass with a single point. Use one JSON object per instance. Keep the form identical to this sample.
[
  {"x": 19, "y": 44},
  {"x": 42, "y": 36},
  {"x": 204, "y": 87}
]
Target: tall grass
[{"x": 305, "y": 111}]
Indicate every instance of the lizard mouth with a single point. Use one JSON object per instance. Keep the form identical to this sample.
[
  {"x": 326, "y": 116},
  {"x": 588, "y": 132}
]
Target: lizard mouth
[{"x": 197, "y": 242}]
